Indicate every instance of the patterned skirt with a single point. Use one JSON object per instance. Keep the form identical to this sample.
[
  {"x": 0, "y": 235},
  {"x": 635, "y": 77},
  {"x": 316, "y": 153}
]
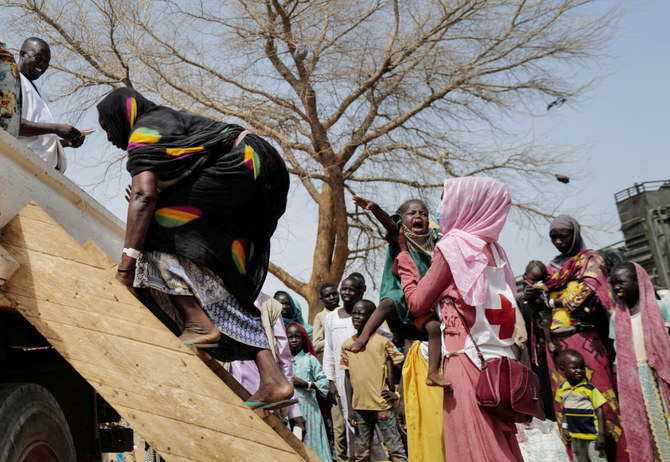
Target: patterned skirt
[
  {"x": 657, "y": 412},
  {"x": 161, "y": 274}
]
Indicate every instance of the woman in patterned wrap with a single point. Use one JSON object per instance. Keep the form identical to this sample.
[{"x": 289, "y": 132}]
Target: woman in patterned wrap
[
  {"x": 204, "y": 202},
  {"x": 580, "y": 300}
]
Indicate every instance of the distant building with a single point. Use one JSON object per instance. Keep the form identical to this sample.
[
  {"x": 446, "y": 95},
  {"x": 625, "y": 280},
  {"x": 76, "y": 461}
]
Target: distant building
[{"x": 644, "y": 211}]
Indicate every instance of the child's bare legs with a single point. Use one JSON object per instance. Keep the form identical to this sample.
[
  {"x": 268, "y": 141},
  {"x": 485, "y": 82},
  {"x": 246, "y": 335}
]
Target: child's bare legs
[
  {"x": 434, "y": 379},
  {"x": 545, "y": 316},
  {"x": 273, "y": 387},
  {"x": 385, "y": 308}
]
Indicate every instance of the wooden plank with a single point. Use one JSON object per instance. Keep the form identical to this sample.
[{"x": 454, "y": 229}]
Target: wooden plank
[
  {"x": 216, "y": 367},
  {"x": 92, "y": 321},
  {"x": 74, "y": 341},
  {"x": 269, "y": 418},
  {"x": 68, "y": 291},
  {"x": 136, "y": 364},
  {"x": 101, "y": 258},
  {"x": 36, "y": 236},
  {"x": 6, "y": 304},
  {"x": 232, "y": 449},
  {"x": 26, "y": 177},
  {"x": 7, "y": 265}
]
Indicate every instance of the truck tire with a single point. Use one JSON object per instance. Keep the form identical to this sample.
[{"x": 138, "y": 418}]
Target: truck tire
[{"x": 32, "y": 426}]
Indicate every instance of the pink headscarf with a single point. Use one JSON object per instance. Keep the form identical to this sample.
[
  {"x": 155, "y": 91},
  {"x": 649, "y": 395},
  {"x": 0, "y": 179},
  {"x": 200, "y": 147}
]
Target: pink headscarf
[
  {"x": 307, "y": 346},
  {"x": 657, "y": 344},
  {"x": 472, "y": 214}
]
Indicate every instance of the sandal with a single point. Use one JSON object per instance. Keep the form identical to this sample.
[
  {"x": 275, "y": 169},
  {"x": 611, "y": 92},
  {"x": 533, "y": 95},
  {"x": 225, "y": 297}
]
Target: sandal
[
  {"x": 195, "y": 335},
  {"x": 268, "y": 406}
]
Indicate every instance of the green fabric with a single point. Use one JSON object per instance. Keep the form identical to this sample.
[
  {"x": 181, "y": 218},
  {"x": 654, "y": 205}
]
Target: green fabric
[
  {"x": 295, "y": 314},
  {"x": 391, "y": 288}
]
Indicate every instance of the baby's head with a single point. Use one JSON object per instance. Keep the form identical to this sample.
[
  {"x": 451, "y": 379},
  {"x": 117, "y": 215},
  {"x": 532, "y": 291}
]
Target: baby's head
[
  {"x": 535, "y": 272},
  {"x": 414, "y": 213}
]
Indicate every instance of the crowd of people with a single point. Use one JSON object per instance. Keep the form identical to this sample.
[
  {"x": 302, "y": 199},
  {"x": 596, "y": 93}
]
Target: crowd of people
[
  {"x": 204, "y": 202},
  {"x": 600, "y": 393}
]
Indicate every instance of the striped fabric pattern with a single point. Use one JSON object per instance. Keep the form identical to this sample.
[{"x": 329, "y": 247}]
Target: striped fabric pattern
[
  {"x": 170, "y": 217},
  {"x": 579, "y": 408}
]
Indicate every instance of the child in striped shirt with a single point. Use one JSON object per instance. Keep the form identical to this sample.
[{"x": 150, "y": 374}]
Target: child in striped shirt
[{"x": 583, "y": 416}]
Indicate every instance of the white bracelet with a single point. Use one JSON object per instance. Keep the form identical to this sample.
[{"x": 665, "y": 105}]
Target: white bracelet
[
  {"x": 132, "y": 253},
  {"x": 309, "y": 386}
]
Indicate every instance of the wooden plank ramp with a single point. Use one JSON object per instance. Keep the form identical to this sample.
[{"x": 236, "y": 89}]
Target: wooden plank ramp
[{"x": 184, "y": 404}]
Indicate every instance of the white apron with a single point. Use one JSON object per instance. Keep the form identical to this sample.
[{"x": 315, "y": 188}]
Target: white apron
[
  {"x": 495, "y": 320},
  {"x": 34, "y": 109}
]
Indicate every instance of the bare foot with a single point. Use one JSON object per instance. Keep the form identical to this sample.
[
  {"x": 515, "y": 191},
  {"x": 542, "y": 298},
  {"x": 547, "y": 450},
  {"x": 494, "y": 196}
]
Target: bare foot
[
  {"x": 357, "y": 346},
  {"x": 436, "y": 380},
  {"x": 196, "y": 333},
  {"x": 272, "y": 393}
]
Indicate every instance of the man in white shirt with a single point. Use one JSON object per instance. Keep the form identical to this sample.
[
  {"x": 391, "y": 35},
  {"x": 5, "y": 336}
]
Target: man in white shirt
[
  {"x": 339, "y": 327},
  {"x": 38, "y": 130}
]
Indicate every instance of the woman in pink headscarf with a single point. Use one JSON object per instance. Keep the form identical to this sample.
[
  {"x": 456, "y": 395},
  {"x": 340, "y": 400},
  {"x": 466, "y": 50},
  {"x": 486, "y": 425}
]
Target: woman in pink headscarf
[
  {"x": 643, "y": 371},
  {"x": 471, "y": 282}
]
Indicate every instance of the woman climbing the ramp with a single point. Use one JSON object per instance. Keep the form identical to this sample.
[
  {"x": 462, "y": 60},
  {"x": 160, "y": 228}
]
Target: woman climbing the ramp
[{"x": 204, "y": 202}]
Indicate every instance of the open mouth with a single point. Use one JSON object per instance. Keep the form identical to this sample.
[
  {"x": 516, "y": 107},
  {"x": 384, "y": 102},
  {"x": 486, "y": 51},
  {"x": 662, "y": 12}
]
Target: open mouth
[{"x": 419, "y": 226}]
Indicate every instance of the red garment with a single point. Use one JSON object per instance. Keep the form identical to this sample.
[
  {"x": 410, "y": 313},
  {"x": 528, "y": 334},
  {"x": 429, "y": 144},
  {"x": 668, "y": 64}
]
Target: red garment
[
  {"x": 470, "y": 433},
  {"x": 307, "y": 346}
]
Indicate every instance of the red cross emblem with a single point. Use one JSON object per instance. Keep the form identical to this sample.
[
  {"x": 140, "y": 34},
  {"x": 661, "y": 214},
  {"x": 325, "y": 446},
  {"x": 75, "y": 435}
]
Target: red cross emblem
[{"x": 503, "y": 317}]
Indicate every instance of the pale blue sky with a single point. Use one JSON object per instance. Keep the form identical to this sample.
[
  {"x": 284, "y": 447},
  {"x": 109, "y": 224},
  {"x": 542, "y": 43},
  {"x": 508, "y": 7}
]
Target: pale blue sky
[{"x": 620, "y": 128}]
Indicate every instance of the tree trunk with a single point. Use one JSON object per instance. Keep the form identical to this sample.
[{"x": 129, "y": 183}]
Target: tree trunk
[{"x": 331, "y": 250}]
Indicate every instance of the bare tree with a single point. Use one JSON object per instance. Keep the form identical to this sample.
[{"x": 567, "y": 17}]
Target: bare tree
[{"x": 371, "y": 96}]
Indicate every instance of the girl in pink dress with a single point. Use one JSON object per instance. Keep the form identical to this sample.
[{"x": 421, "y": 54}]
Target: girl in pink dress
[{"x": 471, "y": 282}]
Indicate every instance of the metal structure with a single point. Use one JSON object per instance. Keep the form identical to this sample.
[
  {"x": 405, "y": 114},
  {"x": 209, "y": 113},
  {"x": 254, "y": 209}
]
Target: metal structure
[{"x": 644, "y": 212}]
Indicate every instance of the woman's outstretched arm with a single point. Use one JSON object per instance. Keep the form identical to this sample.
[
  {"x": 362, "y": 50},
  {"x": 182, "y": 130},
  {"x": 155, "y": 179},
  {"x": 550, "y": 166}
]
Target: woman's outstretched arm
[{"x": 383, "y": 217}]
